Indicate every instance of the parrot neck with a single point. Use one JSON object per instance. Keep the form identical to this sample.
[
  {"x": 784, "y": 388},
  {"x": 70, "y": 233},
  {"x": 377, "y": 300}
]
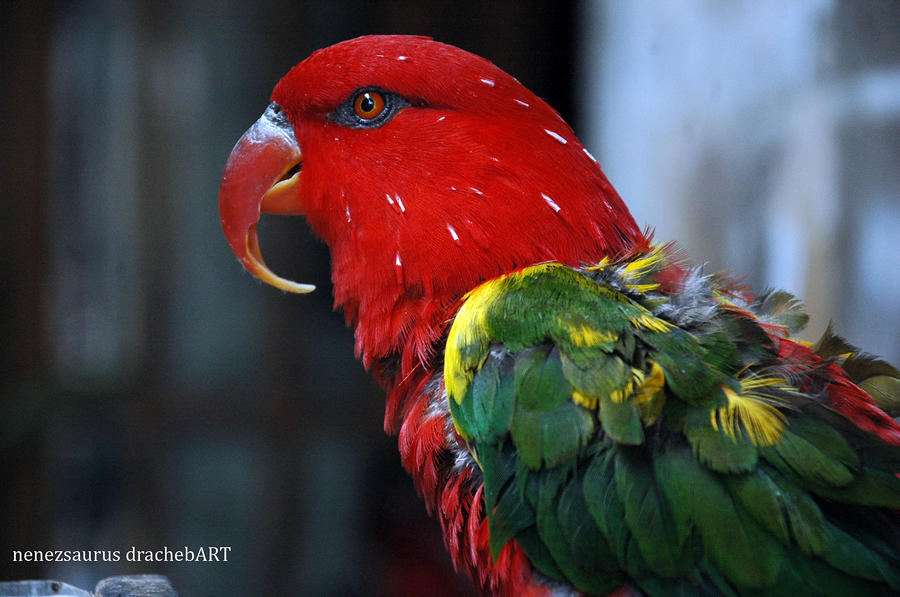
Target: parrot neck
[
  {"x": 400, "y": 294},
  {"x": 408, "y": 239}
]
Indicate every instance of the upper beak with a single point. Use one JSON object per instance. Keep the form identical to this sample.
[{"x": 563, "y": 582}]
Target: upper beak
[{"x": 263, "y": 174}]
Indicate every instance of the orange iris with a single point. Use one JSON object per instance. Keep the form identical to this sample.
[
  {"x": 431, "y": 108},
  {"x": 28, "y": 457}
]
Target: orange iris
[{"x": 368, "y": 105}]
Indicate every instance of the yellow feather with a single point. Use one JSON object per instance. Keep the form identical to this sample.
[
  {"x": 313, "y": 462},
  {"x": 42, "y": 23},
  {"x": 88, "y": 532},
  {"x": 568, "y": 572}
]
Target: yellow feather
[
  {"x": 587, "y": 336},
  {"x": 644, "y": 263},
  {"x": 601, "y": 265},
  {"x": 585, "y": 401},
  {"x": 469, "y": 328},
  {"x": 619, "y": 396},
  {"x": 457, "y": 375},
  {"x": 650, "y": 384},
  {"x": 639, "y": 267},
  {"x": 649, "y": 322},
  {"x": 722, "y": 298},
  {"x": 751, "y": 412},
  {"x": 642, "y": 287}
]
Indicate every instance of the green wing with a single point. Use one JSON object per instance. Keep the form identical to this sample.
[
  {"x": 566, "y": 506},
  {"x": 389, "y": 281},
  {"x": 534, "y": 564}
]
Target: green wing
[{"x": 626, "y": 434}]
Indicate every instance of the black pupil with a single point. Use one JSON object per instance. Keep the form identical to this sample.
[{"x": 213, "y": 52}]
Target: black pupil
[{"x": 367, "y": 104}]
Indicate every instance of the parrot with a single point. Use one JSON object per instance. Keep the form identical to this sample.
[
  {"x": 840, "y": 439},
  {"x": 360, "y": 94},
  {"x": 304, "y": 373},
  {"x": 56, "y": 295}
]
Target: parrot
[{"x": 582, "y": 409}]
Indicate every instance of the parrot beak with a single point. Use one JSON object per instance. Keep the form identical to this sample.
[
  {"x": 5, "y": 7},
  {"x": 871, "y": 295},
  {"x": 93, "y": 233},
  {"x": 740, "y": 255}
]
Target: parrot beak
[{"x": 262, "y": 175}]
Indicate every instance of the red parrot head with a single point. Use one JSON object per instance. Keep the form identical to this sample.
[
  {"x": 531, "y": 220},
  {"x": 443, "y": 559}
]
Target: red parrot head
[{"x": 426, "y": 170}]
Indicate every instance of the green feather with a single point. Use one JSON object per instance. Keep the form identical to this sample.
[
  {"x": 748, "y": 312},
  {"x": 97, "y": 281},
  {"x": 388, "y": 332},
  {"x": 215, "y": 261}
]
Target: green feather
[
  {"x": 538, "y": 553},
  {"x": 692, "y": 586},
  {"x": 579, "y": 334},
  {"x": 720, "y": 352},
  {"x": 745, "y": 554},
  {"x": 648, "y": 515},
  {"x": 605, "y": 375},
  {"x": 625, "y": 347},
  {"x": 752, "y": 342},
  {"x": 857, "y": 559},
  {"x": 463, "y": 414},
  {"x": 885, "y": 390},
  {"x": 800, "y": 454},
  {"x": 720, "y": 452},
  {"x": 493, "y": 398},
  {"x": 786, "y": 512},
  {"x": 550, "y": 437},
  {"x": 546, "y": 427},
  {"x": 819, "y": 578},
  {"x": 540, "y": 383},
  {"x": 825, "y": 439},
  {"x": 510, "y": 517},
  {"x": 870, "y": 487},
  {"x": 498, "y": 469},
  {"x": 589, "y": 547},
  {"x": 622, "y": 421},
  {"x": 553, "y": 535},
  {"x": 608, "y": 511},
  {"x": 680, "y": 356}
]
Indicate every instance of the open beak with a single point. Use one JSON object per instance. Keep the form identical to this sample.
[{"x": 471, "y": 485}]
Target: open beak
[{"x": 263, "y": 174}]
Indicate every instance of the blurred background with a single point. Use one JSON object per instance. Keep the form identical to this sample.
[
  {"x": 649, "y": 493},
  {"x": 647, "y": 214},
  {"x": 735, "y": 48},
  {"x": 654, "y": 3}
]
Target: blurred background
[{"x": 153, "y": 394}]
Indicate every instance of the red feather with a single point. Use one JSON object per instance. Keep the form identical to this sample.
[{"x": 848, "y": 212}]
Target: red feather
[{"x": 845, "y": 396}]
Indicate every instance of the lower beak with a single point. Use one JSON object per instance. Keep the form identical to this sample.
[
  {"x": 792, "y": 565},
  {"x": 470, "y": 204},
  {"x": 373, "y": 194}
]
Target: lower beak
[{"x": 263, "y": 174}]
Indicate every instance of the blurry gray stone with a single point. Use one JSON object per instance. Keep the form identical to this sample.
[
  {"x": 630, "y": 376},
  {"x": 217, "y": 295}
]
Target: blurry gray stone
[
  {"x": 138, "y": 585},
  {"x": 21, "y": 588}
]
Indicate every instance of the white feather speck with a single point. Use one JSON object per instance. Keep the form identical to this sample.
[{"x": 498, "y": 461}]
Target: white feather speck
[
  {"x": 441, "y": 118},
  {"x": 488, "y": 82},
  {"x": 389, "y": 198},
  {"x": 588, "y": 154},
  {"x": 453, "y": 233},
  {"x": 347, "y": 211},
  {"x": 397, "y": 261},
  {"x": 401, "y": 58},
  {"x": 521, "y": 103},
  {"x": 452, "y": 188},
  {"x": 400, "y": 203},
  {"x": 553, "y": 205},
  {"x": 556, "y": 136},
  {"x": 476, "y": 191}
]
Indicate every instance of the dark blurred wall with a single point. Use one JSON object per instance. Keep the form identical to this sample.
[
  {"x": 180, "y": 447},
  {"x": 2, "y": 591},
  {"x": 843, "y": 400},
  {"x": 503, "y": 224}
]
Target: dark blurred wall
[
  {"x": 25, "y": 39},
  {"x": 153, "y": 394}
]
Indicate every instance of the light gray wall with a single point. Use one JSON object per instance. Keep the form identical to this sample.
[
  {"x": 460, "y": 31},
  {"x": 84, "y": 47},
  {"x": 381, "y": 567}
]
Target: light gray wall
[{"x": 763, "y": 136}]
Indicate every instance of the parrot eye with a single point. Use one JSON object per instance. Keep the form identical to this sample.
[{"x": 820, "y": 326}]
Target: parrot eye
[
  {"x": 367, "y": 108},
  {"x": 368, "y": 104}
]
